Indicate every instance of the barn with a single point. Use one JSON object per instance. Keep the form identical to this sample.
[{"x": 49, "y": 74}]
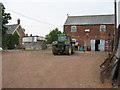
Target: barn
[{"x": 93, "y": 31}]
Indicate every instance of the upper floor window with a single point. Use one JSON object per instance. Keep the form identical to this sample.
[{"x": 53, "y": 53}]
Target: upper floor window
[
  {"x": 73, "y": 28},
  {"x": 103, "y": 28}
]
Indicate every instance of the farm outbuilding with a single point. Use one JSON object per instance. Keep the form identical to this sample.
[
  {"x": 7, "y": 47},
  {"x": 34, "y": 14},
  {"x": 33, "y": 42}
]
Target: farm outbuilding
[
  {"x": 34, "y": 43},
  {"x": 92, "y": 31}
]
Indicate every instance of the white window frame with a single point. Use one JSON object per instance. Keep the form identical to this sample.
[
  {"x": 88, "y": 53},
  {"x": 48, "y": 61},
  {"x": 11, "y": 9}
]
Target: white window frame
[
  {"x": 104, "y": 28},
  {"x": 75, "y": 29}
]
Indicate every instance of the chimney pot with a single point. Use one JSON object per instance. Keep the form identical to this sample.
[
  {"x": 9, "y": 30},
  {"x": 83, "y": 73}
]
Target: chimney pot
[
  {"x": 18, "y": 21},
  {"x": 26, "y": 35}
]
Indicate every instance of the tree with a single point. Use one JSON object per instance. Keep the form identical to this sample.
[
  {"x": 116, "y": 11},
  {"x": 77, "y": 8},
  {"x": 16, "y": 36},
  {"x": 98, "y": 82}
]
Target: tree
[
  {"x": 5, "y": 18},
  {"x": 16, "y": 38},
  {"x": 52, "y": 36},
  {"x": 12, "y": 40}
]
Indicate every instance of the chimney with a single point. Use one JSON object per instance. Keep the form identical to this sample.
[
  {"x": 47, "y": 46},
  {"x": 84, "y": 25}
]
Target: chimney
[
  {"x": 26, "y": 35},
  {"x": 67, "y": 15},
  {"x": 31, "y": 35},
  {"x": 18, "y": 21}
]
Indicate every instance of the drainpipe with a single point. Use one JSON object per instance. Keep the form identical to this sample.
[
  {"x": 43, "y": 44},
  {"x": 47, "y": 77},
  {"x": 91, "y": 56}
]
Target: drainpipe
[
  {"x": 115, "y": 11},
  {"x": 115, "y": 32}
]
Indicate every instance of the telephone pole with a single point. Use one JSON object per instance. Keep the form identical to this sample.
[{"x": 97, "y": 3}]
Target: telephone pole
[{"x": 115, "y": 11}]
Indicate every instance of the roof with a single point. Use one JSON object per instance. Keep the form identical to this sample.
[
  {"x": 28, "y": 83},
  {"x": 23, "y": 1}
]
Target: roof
[
  {"x": 90, "y": 19},
  {"x": 11, "y": 28}
]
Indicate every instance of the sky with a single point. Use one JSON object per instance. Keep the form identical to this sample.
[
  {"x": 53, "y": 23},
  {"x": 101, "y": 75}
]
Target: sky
[{"x": 39, "y": 17}]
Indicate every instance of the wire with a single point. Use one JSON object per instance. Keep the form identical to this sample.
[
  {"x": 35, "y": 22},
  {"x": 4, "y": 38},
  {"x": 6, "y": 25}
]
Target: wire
[{"x": 33, "y": 18}]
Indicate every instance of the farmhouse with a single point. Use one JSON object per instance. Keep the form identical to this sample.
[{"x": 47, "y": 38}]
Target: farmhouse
[
  {"x": 16, "y": 28},
  {"x": 93, "y": 31}
]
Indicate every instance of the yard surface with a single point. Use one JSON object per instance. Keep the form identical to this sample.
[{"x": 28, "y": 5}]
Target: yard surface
[{"x": 41, "y": 69}]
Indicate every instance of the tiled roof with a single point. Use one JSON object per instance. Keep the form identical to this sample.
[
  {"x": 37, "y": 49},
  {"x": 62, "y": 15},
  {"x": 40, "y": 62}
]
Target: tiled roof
[
  {"x": 90, "y": 19},
  {"x": 11, "y": 28}
]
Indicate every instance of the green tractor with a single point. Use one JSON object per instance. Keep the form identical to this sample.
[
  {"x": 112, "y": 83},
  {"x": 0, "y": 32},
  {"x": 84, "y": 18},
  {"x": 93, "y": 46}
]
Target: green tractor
[{"x": 63, "y": 45}]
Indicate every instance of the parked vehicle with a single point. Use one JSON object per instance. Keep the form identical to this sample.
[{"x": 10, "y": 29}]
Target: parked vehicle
[{"x": 63, "y": 45}]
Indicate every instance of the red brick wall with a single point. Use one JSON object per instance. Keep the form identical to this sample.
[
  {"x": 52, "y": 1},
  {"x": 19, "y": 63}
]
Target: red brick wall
[{"x": 95, "y": 32}]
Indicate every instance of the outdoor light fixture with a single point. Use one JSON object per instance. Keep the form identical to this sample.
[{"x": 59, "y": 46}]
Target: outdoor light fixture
[{"x": 87, "y": 30}]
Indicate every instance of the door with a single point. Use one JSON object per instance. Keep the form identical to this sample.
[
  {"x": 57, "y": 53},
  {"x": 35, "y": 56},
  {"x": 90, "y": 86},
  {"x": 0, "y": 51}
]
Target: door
[
  {"x": 92, "y": 45},
  {"x": 102, "y": 45}
]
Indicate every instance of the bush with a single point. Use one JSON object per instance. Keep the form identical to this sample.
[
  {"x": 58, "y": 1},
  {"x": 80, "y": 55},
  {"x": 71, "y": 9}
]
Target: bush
[{"x": 12, "y": 40}]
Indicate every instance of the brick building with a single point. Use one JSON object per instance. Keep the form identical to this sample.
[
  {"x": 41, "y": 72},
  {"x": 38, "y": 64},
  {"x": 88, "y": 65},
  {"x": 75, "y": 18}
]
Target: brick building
[{"x": 92, "y": 31}]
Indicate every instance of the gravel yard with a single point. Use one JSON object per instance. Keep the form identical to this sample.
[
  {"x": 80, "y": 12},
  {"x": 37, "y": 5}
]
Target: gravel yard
[{"x": 41, "y": 69}]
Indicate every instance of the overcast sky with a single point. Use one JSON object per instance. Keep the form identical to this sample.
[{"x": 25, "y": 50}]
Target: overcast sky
[{"x": 38, "y": 17}]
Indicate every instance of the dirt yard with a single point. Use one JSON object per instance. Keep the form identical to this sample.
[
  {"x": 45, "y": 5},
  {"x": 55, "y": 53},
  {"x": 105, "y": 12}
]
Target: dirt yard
[{"x": 41, "y": 69}]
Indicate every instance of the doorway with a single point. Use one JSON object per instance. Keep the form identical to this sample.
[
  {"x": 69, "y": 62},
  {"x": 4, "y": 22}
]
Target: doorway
[{"x": 97, "y": 45}]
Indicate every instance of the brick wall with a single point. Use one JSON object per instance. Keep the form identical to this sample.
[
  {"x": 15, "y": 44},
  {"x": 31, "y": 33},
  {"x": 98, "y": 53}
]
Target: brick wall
[{"x": 95, "y": 32}]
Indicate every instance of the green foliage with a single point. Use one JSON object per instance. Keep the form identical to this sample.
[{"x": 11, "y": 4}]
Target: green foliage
[
  {"x": 52, "y": 36},
  {"x": 12, "y": 40},
  {"x": 16, "y": 38},
  {"x": 5, "y": 18}
]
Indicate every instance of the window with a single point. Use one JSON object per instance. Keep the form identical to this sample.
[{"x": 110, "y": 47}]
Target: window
[
  {"x": 103, "y": 28},
  {"x": 61, "y": 38},
  {"x": 73, "y": 28}
]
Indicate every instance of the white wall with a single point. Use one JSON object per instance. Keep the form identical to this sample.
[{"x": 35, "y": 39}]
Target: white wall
[{"x": 29, "y": 39}]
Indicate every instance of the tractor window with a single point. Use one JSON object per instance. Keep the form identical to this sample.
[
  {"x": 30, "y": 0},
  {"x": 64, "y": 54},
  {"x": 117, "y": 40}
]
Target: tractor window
[
  {"x": 61, "y": 38},
  {"x": 67, "y": 37}
]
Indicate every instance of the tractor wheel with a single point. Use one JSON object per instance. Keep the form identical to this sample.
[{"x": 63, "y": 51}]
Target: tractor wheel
[
  {"x": 54, "y": 50},
  {"x": 68, "y": 50},
  {"x": 72, "y": 52}
]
